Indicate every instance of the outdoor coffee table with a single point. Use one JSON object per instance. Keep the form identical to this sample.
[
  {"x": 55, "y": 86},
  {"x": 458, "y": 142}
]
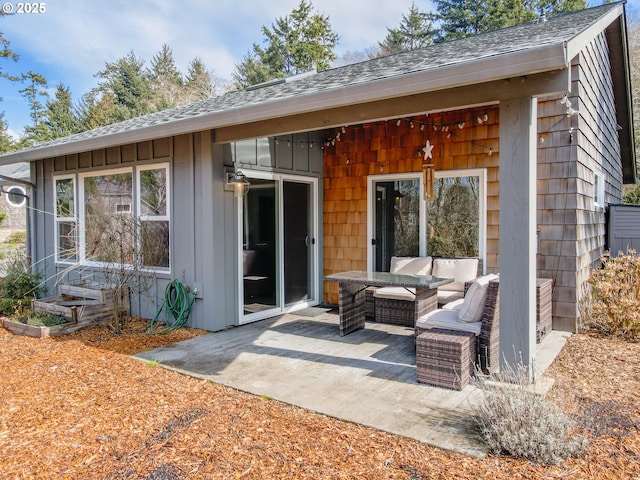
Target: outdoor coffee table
[{"x": 352, "y": 286}]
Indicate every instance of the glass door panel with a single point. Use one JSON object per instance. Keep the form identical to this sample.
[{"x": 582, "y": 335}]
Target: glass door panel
[
  {"x": 298, "y": 242},
  {"x": 260, "y": 247},
  {"x": 396, "y": 221}
]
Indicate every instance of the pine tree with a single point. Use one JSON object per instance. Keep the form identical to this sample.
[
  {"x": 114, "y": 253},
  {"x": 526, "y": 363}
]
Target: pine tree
[
  {"x": 415, "y": 31},
  {"x": 129, "y": 83},
  {"x": 296, "y": 43},
  {"x": 6, "y": 142},
  {"x": 198, "y": 84},
  {"x": 97, "y": 109},
  {"x": 6, "y": 52},
  {"x": 59, "y": 114},
  {"x": 165, "y": 79},
  {"x": 34, "y": 92},
  {"x": 461, "y": 18}
]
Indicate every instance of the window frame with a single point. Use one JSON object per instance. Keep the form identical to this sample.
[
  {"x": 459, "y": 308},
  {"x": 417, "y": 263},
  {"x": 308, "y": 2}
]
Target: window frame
[
  {"x": 481, "y": 173},
  {"x": 466, "y": 172},
  {"x": 72, "y": 219},
  {"x": 79, "y": 206},
  {"x": 598, "y": 189},
  {"x": 154, "y": 218},
  {"x": 82, "y": 257},
  {"x": 22, "y": 193}
]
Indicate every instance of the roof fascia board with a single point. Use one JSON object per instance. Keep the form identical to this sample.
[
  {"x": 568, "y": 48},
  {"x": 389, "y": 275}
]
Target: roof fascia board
[
  {"x": 580, "y": 41},
  {"x": 546, "y": 83},
  {"x": 621, "y": 75}
]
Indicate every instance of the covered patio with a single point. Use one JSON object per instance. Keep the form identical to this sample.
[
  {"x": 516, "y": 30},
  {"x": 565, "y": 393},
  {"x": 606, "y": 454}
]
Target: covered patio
[{"x": 368, "y": 377}]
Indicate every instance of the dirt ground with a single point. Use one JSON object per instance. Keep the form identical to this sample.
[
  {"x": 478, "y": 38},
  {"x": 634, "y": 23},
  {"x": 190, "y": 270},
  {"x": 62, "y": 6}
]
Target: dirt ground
[{"x": 78, "y": 407}]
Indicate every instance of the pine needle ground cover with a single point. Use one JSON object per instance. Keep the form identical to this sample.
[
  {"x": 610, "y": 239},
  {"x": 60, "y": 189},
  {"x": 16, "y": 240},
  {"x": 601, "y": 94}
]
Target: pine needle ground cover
[{"x": 78, "y": 406}]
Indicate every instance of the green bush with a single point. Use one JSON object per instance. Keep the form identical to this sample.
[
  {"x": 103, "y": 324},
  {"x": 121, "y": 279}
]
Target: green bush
[
  {"x": 514, "y": 420},
  {"x": 40, "y": 319},
  {"x": 19, "y": 286},
  {"x": 17, "y": 238},
  {"x": 614, "y": 305}
]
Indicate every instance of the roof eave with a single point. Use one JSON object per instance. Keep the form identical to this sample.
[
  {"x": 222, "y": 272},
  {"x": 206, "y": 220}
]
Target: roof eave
[{"x": 479, "y": 71}]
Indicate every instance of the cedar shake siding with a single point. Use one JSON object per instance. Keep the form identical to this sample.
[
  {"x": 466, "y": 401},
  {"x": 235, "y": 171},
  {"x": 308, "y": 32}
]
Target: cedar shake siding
[
  {"x": 571, "y": 226},
  {"x": 386, "y": 148}
]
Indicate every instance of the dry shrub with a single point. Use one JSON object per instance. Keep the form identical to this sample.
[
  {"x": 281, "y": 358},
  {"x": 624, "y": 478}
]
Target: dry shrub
[
  {"x": 514, "y": 420},
  {"x": 614, "y": 307}
]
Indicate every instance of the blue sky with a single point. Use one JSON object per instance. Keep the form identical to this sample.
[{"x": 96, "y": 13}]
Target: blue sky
[{"x": 71, "y": 41}]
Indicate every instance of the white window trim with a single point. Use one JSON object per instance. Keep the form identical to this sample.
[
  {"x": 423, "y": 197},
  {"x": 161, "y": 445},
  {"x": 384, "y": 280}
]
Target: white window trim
[
  {"x": 598, "y": 188},
  {"x": 481, "y": 173},
  {"x": 167, "y": 217},
  {"x": 422, "y": 222},
  {"x": 82, "y": 251},
  {"x": 58, "y": 219}
]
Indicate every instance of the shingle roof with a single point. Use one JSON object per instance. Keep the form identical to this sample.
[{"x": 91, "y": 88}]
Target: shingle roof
[{"x": 555, "y": 30}]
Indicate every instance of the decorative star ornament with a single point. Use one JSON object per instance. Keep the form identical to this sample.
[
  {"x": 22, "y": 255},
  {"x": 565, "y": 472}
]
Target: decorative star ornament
[{"x": 428, "y": 150}]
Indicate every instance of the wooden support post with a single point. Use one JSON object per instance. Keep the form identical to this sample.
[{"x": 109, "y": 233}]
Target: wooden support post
[{"x": 518, "y": 133}]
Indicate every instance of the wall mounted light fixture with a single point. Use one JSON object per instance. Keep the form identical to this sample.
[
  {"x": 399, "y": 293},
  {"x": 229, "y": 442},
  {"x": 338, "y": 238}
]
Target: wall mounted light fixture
[{"x": 236, "y": 181}]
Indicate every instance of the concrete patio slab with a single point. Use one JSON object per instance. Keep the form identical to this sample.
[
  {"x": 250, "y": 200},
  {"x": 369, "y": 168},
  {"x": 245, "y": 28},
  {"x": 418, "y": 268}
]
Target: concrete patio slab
[{"x": 367, "y": 377}]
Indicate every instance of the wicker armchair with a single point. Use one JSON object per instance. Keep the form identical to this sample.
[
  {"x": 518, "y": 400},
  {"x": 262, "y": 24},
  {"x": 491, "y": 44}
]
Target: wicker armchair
[{"x": 442, "y": 350}]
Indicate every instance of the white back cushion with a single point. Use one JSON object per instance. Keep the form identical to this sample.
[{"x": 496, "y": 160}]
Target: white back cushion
[
  {"x": 411, "y": 265},
  {"x": 473, "y": 304},
  {"x": 460, "y": 269}
]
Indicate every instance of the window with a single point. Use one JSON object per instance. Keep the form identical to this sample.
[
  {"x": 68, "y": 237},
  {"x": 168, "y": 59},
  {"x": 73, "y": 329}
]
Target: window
[
  {"x": 122, "y": 212},
  {"x": 108, "y": 229},
  {"x": 16, "y": 196},
  {"x": 455, "y": 217},
  {"x": 66, "y": 223},
  {"x": 598, "y": 189},
  {"x": 154, "y": 215}
]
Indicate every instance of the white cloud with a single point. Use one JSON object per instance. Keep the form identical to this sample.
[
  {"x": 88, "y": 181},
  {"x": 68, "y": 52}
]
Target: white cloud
[{"x": 72, "y": 40}]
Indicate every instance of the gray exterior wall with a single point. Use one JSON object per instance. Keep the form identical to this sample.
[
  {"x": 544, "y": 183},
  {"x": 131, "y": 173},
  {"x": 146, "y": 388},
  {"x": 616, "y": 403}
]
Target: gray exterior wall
[
  {"x": 624, "y": 229},
  {"x": 571, "y": 226},
  {"x": 204, "y": 244}
]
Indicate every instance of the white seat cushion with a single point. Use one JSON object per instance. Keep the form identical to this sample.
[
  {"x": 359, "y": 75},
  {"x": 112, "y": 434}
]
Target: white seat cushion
[
  {"x": 447, "y": 296},
  {"x": 411, "y": 265},
  {"x": 447, "y": 319},
  {"x": 454, "y": 305},
  {"x": 460, "y": 269},
  {"x": 396, "y": 293}
]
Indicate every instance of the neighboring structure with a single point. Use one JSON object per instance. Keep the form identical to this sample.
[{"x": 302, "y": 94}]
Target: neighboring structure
[
  {"x": 530, "y": 124},
  {"x": 12, "y": 200}
]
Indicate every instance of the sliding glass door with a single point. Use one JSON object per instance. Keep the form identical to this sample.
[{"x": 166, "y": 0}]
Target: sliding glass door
[{"x": 278, "y": 240}]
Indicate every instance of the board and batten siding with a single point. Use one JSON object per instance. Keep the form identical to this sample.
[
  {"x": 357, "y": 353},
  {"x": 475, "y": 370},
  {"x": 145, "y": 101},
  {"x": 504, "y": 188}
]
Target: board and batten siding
[
  {"x": 300, "y": 154},
  {"x": 204, "y": 243},
  {"x": 198, "y": 222},
  {"x": 571, "y": 151}
]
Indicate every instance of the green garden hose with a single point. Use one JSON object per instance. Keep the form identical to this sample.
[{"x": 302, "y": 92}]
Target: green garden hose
[{"x": 178, "y": 300}]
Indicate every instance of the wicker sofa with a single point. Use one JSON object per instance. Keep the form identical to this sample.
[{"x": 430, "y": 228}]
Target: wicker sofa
[{"x": 398, "y": 305}]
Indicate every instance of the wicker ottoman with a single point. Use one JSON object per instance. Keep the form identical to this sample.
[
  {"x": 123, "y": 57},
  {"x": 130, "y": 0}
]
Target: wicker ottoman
[{"x": 445, "y": 358}]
